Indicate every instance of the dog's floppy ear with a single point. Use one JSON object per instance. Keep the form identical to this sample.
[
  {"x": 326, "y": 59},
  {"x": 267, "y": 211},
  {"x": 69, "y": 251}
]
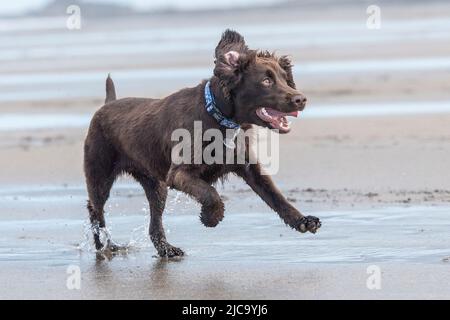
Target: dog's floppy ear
[
  {"x": 230, "y": 66},
  {"x": 286, "y": 64},
  {"x": 232, "y": 57},
  {"x": 230, "y": 41}
]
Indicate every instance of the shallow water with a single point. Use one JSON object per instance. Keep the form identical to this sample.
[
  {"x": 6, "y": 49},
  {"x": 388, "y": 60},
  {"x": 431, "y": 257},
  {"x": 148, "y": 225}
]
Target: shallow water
[
  {"x": 195, "y": 38},
  {"x": 196, "y": 73},
  {"x": 31, "y": 86},
  {"x": 36, "y": 121},
  {"x": 13, "y": 122},
  {"x": 44, "y": 232},
  {"x": 53, "y": 64},
  {"x": 21, "y": 7},
  {"x": 48, "y": 227}
]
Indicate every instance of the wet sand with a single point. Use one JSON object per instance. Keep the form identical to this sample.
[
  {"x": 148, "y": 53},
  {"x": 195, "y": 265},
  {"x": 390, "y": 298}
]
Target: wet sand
[
  {"x": 369, "y": 156},
  {"x": 140, "y": 279},
  {"x": 249, "y": 256}
]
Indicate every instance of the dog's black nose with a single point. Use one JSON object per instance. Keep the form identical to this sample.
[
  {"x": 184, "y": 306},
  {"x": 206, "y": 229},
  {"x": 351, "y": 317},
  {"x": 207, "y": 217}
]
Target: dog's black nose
[{"x": 299, "y": 100}]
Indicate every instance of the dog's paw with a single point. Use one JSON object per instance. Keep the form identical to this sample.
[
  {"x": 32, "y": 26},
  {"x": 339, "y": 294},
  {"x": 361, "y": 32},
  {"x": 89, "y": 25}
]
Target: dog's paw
[
  {"x": 169, "y": 251},
  {"x": 210, "y": 220},
  {"x": 308, "y": 223},
  {"x": 114, "y": 247}
]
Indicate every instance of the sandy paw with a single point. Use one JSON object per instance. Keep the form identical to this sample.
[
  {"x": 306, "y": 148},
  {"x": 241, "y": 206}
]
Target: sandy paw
[
  {"x": 170, "y": 251},
  {"x": 115, "y": 248}
]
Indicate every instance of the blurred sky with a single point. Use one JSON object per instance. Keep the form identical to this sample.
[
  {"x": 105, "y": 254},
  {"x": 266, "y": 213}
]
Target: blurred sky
[{"x": 18, "y": 7}]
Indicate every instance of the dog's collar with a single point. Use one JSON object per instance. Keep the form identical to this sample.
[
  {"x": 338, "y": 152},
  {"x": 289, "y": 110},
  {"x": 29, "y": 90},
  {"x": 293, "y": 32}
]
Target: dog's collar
[{"x": 212, "y": 109}]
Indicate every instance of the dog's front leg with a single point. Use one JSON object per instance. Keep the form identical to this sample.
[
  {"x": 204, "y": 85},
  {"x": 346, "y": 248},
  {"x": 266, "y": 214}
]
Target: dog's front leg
[
  {"x": 212, "y": 206},
  {"x": 265, "y": 188}
]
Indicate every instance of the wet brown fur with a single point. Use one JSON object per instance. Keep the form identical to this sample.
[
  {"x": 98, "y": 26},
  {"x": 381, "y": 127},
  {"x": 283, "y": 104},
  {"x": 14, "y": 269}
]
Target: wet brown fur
[{"x": 133, "y": 136}]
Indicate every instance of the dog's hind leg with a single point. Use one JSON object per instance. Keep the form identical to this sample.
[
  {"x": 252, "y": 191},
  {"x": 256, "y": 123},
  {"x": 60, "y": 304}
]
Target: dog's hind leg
[
  {"x": 99, "y": 169},
  {"x": 98, "y": 190},
  {"x": 156, "y": 193}
]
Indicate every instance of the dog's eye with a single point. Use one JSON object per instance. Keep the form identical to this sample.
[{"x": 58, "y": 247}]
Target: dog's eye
[{"x": 267, "y": 82}]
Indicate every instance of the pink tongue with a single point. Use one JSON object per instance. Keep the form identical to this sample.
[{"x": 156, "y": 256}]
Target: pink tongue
[{"x": 293, "y": 114}]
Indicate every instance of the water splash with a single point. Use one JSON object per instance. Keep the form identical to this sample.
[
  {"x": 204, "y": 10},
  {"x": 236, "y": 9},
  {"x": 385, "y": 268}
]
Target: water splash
[
  {"x": 87, "y": 243},
  {"x": 139, "y": 236}
]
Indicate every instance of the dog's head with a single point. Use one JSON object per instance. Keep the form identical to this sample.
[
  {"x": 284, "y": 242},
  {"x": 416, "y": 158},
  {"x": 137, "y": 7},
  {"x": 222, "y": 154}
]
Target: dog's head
[{"x": 259, "y": 84}]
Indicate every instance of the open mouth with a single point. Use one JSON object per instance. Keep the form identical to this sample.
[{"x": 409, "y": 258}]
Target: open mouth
[{"x": 276, "y": 119}]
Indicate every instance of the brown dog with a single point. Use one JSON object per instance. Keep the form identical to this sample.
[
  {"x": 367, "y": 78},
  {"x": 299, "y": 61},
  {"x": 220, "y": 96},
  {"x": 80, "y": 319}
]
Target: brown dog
[{"x": 133, "y": 136}]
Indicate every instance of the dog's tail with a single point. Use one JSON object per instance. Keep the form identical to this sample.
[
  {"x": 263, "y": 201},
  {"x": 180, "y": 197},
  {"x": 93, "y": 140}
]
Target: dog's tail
[{"x": 110, "y": 90}]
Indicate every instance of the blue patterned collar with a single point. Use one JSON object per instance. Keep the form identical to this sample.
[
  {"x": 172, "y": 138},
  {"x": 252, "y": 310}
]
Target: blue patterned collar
[{"x": 212, "y": 109}]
